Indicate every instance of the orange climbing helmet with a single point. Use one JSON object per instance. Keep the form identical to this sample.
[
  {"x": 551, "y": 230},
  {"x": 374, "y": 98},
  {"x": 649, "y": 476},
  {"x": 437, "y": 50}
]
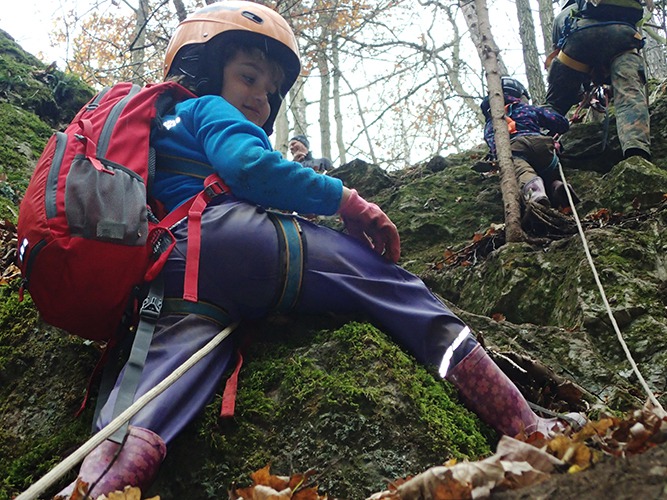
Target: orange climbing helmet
[{"x": 194, "y": 52}]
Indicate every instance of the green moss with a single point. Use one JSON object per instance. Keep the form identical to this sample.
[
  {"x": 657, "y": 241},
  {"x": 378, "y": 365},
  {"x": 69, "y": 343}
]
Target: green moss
[
  {"x": 23, "y": 134},
  {"x": 45, "y": 91},
  {"x": 21, "y": 464},
  {"x": 29, "y": 447},
  {"x": 349, "y": 403}
]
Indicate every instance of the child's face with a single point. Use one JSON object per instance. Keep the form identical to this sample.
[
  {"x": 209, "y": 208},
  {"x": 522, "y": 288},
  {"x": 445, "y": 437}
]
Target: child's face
[{"x": 248, "y": 79}]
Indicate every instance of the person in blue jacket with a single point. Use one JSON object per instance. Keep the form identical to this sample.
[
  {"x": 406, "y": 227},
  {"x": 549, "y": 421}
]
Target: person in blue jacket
[
  {"x": 534, "y": 153},
  {"x": 240, "y": 59}
]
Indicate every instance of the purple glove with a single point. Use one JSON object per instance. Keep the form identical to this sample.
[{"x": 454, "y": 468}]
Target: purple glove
[{"x": 367, "y": 222}]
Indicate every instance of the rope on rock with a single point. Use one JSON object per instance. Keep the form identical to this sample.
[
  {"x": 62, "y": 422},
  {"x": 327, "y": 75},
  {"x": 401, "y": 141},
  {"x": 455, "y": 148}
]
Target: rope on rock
[
  {"x": 63, "y": 467},
  {"x": 619, "y": 335}
]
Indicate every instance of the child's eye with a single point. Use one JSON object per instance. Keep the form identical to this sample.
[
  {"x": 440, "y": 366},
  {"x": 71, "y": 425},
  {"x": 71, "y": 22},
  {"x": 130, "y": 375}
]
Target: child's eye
[{"x": 248, "y": 79}]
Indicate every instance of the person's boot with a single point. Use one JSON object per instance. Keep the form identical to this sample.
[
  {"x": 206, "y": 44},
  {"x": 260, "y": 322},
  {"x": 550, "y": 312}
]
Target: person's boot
[
  {"x": 558, "y": 195},
  {"x": 486, "y": 390},
  {"x": 534, "y": 191},
  {"x": 629, "y": 153},
  {"x": 136, "y": 465}
]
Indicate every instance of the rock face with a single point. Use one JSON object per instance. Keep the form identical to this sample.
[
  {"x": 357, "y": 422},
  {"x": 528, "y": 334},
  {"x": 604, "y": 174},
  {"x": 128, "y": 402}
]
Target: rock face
[{"x": 335, "y": 394}]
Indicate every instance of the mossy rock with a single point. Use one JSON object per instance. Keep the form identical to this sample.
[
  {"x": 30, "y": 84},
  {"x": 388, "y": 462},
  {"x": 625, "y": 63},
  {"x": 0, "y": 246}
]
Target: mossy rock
[
  {"x": 632, "y": 184},
  {"x": 347, "y": 402},
  {"x": 26, "y": 82},
  {"x": 38, "y": 427}
]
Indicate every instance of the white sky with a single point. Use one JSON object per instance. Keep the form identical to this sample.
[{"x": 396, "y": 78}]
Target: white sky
[{"x": 29, "y": 22}]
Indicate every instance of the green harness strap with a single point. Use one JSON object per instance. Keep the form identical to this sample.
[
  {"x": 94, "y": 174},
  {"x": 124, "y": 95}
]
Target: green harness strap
[
  {"x": 291, "y": 257},
  {"x": 204, "y": 309}
]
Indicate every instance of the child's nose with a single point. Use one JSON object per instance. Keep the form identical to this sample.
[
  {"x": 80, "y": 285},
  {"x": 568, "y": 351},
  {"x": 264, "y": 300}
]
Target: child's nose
[{"x": 261, "y": 96}]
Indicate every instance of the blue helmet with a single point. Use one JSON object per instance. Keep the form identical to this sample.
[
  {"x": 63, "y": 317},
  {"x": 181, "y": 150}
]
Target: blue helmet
[
  {"x": 511, "y": 87},
  {"x": 514, "y": 88}
]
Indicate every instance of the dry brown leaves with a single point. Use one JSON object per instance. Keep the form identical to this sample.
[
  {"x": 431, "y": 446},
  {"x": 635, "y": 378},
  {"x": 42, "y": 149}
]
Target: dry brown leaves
[
  {"x": 527, "y": 460},
  {"x": 81, "y": 490},
  {"x": 267, "y": 486},
  {"x": 8, "y": 241},
  {"x": 483, "y": 243}
]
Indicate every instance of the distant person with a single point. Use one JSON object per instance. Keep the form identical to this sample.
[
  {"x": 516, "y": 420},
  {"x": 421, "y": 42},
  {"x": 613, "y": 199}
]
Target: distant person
[
  {"x": 299, "y": 147},
  {"x": 534, "y": 153},
  {"x": 601, "y": 44}
]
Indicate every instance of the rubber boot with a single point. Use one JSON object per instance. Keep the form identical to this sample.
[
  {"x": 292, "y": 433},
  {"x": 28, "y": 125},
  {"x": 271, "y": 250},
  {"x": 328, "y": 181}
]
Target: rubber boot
[
  {"x": 629, "y": 153},
  {"x": 558, "y": 195},
  {"x": 534, "y": 191},
  {"x": 136, "y": 465},
  {"x": 486, "y": 390}
]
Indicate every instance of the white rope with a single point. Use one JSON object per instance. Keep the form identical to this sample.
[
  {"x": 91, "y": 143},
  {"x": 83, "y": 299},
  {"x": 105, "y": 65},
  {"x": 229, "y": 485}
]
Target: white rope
[
  {"x": 619, "y": 335},
  {"x": 63, "y": 467}
]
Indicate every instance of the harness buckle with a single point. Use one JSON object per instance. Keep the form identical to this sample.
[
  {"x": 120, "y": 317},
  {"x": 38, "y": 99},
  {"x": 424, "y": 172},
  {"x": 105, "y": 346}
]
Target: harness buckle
[
  {"x": 214, "y": 186},
  {"x": 213, "y": 190},
  {"x": 150, "y": 308}
]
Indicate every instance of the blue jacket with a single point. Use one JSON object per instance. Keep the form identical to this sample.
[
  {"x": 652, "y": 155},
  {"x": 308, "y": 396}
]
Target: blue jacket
[
  {"x": 207, "y": 135},
  {"x": 530, "y": 120}
]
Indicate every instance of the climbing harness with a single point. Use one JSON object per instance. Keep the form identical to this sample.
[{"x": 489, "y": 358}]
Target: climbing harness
[{"x": 597, "y": 99}]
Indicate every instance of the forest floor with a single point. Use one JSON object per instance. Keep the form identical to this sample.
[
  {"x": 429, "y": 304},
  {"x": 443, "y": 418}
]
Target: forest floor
[{"x": 638, "y": 477}]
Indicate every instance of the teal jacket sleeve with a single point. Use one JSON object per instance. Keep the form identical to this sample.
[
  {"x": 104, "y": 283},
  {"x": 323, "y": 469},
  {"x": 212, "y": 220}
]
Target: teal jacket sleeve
[{"x": 210, "y": 130}]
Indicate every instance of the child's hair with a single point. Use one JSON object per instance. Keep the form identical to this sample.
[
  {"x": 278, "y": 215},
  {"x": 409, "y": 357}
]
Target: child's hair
[{"x": 229, "y": 51}]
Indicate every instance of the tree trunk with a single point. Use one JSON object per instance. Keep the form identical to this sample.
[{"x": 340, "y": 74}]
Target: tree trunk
[
  {"x": 547, "y": 24},
  {"x": 137, "y": 51},
  {"x": 324, "y": 24},
  {"x": 181, "y": 13},
  {"x": 281, "y": 126},
  {"x": 508, "y": 184},
  {"x": 469, "y": 10},
  {"x": 338, "y": 114},
  {"x": 531, "y": 58},
  {"x": 655, "y": 55},
  {"x": 325, "y": 91},
  {"x": 298, "y": 108}
]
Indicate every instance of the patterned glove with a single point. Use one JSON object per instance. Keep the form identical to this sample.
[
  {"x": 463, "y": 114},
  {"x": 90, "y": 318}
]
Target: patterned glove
[{"x": 367, "y": 222}]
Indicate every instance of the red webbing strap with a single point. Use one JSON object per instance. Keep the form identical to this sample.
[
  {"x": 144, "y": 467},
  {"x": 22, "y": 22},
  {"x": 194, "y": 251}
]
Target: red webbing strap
[
  {"x": 91, "y": 147},
  {"x": 93, "y": 376},
  {"x": 213, "y": 186},
  {"x": 190, "y": 287},
  {"x": 231, "y": 386}
]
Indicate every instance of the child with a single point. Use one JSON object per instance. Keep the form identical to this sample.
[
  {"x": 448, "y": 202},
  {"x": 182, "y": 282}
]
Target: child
[
  {"x": 225, "y": 130},
  {"x": 534, "y": 154}
]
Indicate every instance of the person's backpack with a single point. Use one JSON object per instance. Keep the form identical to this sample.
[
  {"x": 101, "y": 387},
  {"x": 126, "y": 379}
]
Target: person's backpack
[
  {"x": 86, "y": 234},
  {"x": 626, "y": 11}
]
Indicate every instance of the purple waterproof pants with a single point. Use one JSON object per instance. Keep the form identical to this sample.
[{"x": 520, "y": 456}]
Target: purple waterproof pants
[{"x": 240, "y": 272}]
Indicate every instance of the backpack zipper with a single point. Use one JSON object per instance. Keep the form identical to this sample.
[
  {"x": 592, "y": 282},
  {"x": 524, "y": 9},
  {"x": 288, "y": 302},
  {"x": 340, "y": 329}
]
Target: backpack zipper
[{"x": 28, "y": 267}]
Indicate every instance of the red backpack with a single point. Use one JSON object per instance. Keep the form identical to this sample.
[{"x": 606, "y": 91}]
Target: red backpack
[{"x": 86, "y": 234}]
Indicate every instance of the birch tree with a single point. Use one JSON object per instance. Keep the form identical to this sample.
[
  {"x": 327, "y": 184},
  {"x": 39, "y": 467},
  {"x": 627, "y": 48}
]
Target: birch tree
[
  {"x": 326, "y": 25},
  {"x": 338, "y": 113},
  {"x": 508, "y": 183},
  {"x": 469, "y": 9}
]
